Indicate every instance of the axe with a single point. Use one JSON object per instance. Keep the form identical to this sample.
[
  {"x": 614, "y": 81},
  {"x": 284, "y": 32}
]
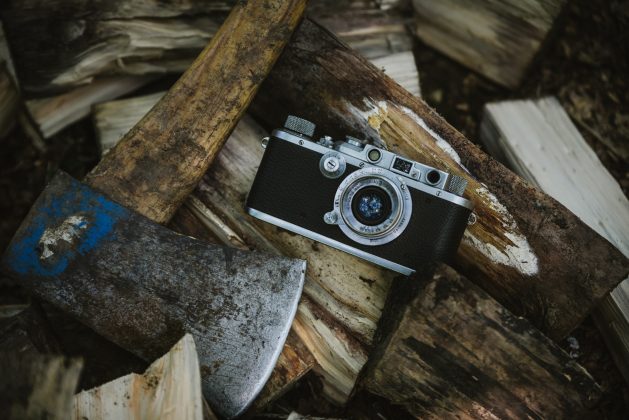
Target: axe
[{"x": 98, "y": 251}]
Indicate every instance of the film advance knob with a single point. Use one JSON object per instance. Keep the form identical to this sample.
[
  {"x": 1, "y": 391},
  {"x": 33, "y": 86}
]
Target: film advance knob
[{"x": 299, "y": 125}]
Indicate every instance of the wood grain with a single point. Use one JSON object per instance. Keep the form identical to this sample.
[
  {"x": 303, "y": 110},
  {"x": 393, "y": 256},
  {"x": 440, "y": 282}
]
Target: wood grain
[
  {"x": 158, "y": 163},
  {"x": 498, "y": 39},
  {"x": 449, "y": 350},
  {"x": 538, "y": 140},
  {"x": 169, "y": 389},
  {"x": 527, "y": 250}
]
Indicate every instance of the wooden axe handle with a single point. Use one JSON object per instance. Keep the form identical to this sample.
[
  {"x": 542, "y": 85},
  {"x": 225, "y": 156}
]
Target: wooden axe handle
[{"x": 160, "y": 161}]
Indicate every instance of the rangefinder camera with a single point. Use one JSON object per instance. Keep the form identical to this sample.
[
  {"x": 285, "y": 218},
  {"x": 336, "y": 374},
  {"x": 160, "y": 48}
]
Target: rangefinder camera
[{"x": 359, "y": 198}]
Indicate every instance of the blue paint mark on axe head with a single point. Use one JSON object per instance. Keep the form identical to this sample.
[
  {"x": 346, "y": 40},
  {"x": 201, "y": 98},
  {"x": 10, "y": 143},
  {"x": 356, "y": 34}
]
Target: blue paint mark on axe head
[{"x": 68, "y": 219}]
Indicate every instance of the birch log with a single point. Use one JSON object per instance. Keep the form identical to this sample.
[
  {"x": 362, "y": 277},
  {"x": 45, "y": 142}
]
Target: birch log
[
  {"x": 498, "y": 39},
  {"x": 527, "y": 250},
  {"x": 449, "y": 350},
  {"x": 169, "y": 389},
  {"x": 539, "y": 141}
]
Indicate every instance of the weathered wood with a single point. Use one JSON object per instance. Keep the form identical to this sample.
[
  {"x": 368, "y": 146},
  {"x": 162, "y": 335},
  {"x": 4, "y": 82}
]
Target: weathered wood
[
  {"x": 294, "y": 362},
  {"x": 158, "y": 163},
  {"x": 527, "y": 250},
  {"x": 539, "y": 141},
  {"x": 169, "y": 389},
  {"x": 53, "y": 114},
  {"x": 449, "y": 350},
  {"x": 401, "y": 67},
  {"x": 88, "y": 40},
  {"x": 9, "y": 101},
  {"x": 345, "y": 294},
  {"x": 85, "y": 39},
  {"x": 112, "y": 120},
  {"x": 37, "y": 386},
  {"x": 367, "y": 29},
  {"x": 498, "y": 39}
]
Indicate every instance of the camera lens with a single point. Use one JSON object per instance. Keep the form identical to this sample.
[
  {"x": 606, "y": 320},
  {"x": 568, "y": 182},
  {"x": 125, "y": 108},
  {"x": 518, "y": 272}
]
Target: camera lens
[{"x": 371, "y": 206}]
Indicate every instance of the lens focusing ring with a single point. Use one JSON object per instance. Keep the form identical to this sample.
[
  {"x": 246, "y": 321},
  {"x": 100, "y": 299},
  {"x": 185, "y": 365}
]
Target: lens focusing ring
[{"x": 397, "y": 214}]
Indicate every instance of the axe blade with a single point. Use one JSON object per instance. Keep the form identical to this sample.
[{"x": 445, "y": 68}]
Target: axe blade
[{"x": 143, "y": 286}]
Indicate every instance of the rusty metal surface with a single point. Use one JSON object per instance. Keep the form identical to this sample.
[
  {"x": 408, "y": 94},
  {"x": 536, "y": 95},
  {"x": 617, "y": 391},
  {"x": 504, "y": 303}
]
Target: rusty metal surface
[{"x": 143, "y": 286}]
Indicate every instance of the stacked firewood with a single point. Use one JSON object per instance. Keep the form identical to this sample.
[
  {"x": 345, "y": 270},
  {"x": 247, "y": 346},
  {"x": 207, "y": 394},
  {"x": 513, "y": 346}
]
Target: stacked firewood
[{"x": 478, "y": 339}]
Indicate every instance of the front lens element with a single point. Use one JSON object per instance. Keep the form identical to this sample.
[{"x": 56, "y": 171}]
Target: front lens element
[{"x": 371, "y": 206}]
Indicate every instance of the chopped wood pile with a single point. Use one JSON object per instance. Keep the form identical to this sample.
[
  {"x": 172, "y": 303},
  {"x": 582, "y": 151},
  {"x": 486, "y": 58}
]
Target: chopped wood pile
[{"x": 161, "y": 107}]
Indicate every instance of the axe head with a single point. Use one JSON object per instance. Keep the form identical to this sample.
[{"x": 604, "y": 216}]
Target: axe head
[{"x": 143, "y": 286}]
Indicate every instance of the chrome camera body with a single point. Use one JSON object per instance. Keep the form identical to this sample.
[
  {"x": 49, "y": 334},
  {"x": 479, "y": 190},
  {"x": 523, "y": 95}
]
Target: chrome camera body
[{"x": 359, "y": 198}]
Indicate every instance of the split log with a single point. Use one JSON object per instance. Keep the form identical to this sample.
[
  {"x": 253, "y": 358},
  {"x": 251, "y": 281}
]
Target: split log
[
  {"x": 53, "y": 114},
  {"x": 37, "y": 386},
  {"x": 449, "y": 350},
  {"x": 400, "y": 67},
  {"x": 142, "y": 172},
  {"x": 498, "y": 39},
  {"x": 527, "y": 250},
  {"x": 83, "y": 40},
  {"x": 87, "y": 41},
  {"x": 169, "y": 389},
  {"x": 539, "y": 141},
  {"x": 344, "y": 299},
  {"x": 367, "y": 29}
]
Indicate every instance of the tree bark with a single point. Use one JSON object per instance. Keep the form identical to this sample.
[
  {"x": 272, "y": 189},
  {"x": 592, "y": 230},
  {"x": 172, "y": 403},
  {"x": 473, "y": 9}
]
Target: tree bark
[
  {"x": 449, "y": 350},
  {"x": 527, "y": 250},
  {"x": 85, "y": 39},
  {"x": 538, "y": 139},
  {"x": 159, "y": 162}
]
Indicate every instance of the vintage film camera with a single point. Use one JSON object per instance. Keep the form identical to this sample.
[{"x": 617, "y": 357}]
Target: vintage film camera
[{"x": 359, "y": 198}]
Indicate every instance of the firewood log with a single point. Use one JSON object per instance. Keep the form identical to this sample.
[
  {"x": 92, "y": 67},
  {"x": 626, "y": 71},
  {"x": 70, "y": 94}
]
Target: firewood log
[
  {"x": 54, "y": 113},
  {"x": 169, "y": 389},
  {"x": 526, "y": 249},
  {"x": 83, "y": 39},
  {"x": 86, "y": 40},
  {"x": 497, "y": 39},
  {"x": 35, "y": 386},
  {"x": 539, "y": 141},
  {"x": 448, "y": 350},
  {"x": 343, "y": 298}
]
